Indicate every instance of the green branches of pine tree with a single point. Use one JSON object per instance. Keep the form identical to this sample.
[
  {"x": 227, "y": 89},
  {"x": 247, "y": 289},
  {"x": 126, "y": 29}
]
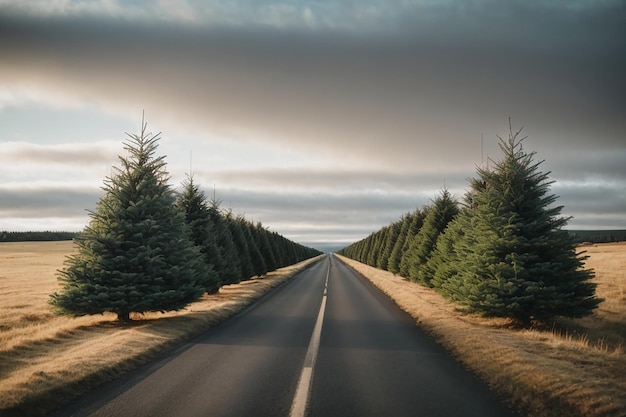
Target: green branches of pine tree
[
  {"x": 513, "y": 259},
  {"x": 136, "y": 254},
  {"x": 193, "y": 202},
  {"x": 504, "y": 253},
  {"x": 443, "y": 210}
]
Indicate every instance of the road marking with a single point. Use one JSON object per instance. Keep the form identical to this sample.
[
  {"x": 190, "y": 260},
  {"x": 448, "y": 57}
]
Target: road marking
[{"x": 298, "y": 406}]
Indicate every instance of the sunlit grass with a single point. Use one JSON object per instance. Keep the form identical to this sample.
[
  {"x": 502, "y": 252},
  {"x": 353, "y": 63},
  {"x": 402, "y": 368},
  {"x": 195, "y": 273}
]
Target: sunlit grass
[
  {"x": 46, "y": 360},
  {"x": 574, "y": 367}
]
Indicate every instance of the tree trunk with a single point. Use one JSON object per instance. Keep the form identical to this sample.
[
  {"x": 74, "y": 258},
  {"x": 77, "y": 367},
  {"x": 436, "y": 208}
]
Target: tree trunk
[{"x": 123, "y": 316}]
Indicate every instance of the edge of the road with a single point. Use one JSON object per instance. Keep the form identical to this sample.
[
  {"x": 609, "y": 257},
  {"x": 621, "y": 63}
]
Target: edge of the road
[
  {"x": 91, "y": 399},
  {"x": 432, "y": 332},
  {"x": 383, "y": 297}
]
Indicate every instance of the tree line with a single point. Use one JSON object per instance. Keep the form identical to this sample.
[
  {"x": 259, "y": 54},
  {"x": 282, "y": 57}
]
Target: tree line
[
  {"x": 598, "y": 236},
  {"x": 501, "y": 251},
  {"x": 149, "y": 248},
  {"x": 43, "y": 236}
]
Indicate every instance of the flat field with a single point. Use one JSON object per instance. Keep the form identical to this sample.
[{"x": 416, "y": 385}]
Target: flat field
[
  {"x": 47, "y": 360},
  {"x": 576, "y": 367}
]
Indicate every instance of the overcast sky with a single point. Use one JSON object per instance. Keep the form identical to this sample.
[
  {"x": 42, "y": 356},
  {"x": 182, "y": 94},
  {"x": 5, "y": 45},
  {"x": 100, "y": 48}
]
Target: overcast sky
[{"x": 324, "y": 120}]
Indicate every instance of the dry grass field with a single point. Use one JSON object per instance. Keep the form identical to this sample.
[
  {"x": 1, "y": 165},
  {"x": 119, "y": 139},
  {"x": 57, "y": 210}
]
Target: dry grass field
[
  {"x": 47, "y": 360},
  {"x": 575, "y": 368}
]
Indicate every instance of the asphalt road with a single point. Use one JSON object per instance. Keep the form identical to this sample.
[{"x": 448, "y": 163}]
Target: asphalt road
[{"x": 324, "y": 344}]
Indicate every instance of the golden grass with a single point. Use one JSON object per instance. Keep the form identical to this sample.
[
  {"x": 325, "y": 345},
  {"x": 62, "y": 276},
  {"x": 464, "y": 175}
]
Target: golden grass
[
  {"x": 47, "y": 360},
  {"x": 577, "y": 368}
]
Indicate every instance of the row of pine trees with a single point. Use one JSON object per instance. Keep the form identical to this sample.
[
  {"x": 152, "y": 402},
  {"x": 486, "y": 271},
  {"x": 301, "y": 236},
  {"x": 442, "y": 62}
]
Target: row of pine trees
[
  {"x": 41, "y": 236},
  {"x": 236, "y": 248},
  {"x": 501, "y": 252},
  {"x": 149, "y": 248}
]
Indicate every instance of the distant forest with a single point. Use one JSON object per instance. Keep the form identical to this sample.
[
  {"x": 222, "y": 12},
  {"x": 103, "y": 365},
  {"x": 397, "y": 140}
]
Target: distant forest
[
  {"x": 598, "y": 236},
  {"x": 36, "y": 236}
]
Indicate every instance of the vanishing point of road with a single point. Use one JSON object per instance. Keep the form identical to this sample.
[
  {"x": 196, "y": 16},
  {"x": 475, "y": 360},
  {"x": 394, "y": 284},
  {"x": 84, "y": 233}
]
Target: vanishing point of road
[{"x": 326, "y": 343}]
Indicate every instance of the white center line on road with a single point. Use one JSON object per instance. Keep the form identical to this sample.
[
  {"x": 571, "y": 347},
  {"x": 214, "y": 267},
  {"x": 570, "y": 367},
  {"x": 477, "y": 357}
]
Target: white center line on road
[{"x": 298, "y": 406}]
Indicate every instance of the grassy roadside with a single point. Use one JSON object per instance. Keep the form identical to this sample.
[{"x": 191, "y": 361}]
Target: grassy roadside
[
  {"x": 576, "y": 368},
  {"x": 47, "y": 360}
]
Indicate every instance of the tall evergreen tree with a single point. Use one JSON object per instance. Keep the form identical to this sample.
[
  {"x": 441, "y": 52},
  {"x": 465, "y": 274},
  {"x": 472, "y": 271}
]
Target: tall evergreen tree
[
  {"x": 414, "y": 228},
  {"x": 446, "y": 257},
  {"x": 192, "y": 201},
  {"x": 136, "y": 254},
  {"x": 517, "y": 260},
  {"x": 229, "y": 270},
  {"x": 375, "y": 243},
  {"x": 397, "y": 252},
  {"x": 259, "y": 267},
  {"x": 241, "y": 245},
  {"x": 390, "y": 239},
  {"x": 443, "y": 210},
  {"x": 279, "y": 255},
  {"x": 261, "y": 237}
]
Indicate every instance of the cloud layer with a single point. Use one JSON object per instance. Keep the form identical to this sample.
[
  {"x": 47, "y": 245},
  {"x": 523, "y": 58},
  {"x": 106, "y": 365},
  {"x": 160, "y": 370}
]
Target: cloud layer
[{"x": 393, "y": 97}]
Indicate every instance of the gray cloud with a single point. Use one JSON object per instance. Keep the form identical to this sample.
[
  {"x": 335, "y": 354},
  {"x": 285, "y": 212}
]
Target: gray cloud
[
  {"x": 48, "y": 202},
  {"x": 593, "y": 198},
  {"x": 404, "y": 90},
  {"x": 428, "y": 92},
  {"x": 74, "y": 154},
  {"x": 339, "y": 181},
  {"x": 576, "y": 165}
]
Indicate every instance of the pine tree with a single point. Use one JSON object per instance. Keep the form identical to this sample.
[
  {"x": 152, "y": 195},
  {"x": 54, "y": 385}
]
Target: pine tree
[
  {"x": 261, "y": 237},
  {"x": 259, "y": 267},
  {"x": 443, "y": 210},
  {"x": 390, "y": 239},
  {"x": 136, "y": 254},
  {"x": 279, "y": 255},
  {"x": 517, "y": 261},
  {"x": 397, "y": 252},
  {"x": 375, "y": 240},
  {"x": 414, "y": 228},
  {"x": 241, "y": 245},
  {"x": 192, "y": 201},
  {"x": 446, "y": 257},
  {"x": 229, "y": 269}
]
